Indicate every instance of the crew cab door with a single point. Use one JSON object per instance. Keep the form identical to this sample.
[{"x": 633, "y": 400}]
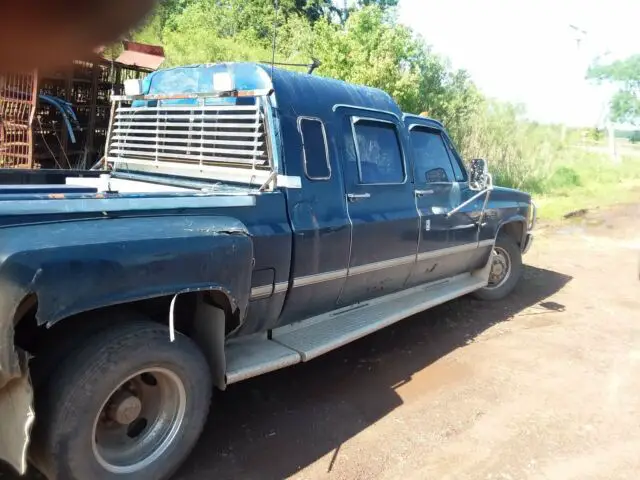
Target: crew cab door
[
  {"x": 448, "y": 245},
  {"x": 381, "y": 206}
]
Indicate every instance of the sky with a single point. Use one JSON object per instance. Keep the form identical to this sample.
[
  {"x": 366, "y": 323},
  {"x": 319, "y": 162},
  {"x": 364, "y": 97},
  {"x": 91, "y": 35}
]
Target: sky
[{"x": 525, "y": 51}]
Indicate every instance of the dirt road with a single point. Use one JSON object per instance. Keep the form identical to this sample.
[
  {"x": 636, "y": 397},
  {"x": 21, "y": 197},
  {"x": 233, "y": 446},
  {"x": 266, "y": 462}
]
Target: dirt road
[{"x": 543, "y": 385}]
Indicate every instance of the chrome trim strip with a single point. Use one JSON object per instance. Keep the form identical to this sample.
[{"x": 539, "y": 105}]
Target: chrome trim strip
[
  {"x": 355, "y": 107},
  {"x": 451, "y": 250},
  {"x": 281, "y": 287},
  {"x": 119, "y": 203},
  {"x": 260, "y": 292},
  {"x": 372, "y": 267},
  {"x": 319, "y": 278},
  {"x": 266, "y": 291}
]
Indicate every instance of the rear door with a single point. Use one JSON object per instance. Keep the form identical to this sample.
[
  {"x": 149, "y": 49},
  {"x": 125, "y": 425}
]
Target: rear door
[
  {"x": 381, "y": 206},
  {"x": 448, "y": 245}
]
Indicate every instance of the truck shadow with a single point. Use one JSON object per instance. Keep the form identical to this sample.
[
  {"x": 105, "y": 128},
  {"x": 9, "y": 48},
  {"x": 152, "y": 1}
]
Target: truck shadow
[{"x": 272, "y": 426}]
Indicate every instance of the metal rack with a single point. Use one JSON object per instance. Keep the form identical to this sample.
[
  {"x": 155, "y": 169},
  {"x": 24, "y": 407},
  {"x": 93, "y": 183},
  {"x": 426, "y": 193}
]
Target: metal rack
[{"x": 36, "y": 134}]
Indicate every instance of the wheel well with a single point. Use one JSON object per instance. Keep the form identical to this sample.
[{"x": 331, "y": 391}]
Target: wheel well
[
  {"x": 514, "y": 229},
  {"x": 35, "y": 338}
]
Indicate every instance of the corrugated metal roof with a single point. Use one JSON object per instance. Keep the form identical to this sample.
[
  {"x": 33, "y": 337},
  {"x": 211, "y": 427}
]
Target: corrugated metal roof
[
  {"x": 141, "y": 55},
  {"x": 139, "y": 59}
]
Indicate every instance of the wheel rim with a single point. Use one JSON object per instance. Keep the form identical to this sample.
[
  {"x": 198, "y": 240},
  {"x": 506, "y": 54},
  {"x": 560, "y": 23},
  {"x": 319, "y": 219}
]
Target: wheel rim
[
  {"x": 500, "y": 268},
  {"x": 139, "y": 420}
]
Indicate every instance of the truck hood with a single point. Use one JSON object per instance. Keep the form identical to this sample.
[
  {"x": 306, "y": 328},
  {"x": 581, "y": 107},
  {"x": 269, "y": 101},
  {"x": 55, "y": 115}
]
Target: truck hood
[{"x": 510, "y": 194}]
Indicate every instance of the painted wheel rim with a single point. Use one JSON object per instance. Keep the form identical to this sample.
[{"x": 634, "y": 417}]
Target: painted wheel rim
[{"x": 139, "y": 421}]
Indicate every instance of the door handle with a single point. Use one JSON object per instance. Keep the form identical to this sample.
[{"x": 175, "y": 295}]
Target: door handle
[
  {"x": 422, "y": 193},
  {"x": 354, "y": 197}
]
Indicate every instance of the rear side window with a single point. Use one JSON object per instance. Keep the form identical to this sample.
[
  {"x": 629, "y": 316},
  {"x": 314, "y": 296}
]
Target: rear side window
[
  {"x": 379, "y": 152},
  {"x": 314, "y": 149},
  {"x": 430, "y": 157}
]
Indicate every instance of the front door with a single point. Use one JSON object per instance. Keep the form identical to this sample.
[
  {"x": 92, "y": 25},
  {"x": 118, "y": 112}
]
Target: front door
[
  {"x": 381, "y": 207},
  {"x": 448, "y": 245}
]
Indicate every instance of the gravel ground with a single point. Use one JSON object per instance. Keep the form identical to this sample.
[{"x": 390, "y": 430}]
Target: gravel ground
[{"x": 544, "y": 384}]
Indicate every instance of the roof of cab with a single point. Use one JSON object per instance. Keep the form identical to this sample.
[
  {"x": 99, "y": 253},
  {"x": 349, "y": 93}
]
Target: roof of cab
[
  {"x": 314, "y": 95},
  {"x": 296, "y": 93}
]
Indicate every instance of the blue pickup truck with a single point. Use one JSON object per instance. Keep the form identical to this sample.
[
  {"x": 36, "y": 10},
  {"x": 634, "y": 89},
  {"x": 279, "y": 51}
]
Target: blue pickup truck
[{"x": 243, "y": 219}]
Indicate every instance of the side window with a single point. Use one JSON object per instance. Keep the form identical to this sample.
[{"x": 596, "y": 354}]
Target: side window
[
  {"x": 378, "y": 151},
  {"x": 314, "y": 149},
  {"x": 430, "y": 156}
]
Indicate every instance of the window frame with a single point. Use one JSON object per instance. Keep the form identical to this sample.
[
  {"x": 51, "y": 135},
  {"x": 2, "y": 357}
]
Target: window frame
[
  {"x": 403, "y": 159},
  {"x": 304, "y": 153},
  {"x": 457, "y": 159},
  {"x": 444, "y": 139}
]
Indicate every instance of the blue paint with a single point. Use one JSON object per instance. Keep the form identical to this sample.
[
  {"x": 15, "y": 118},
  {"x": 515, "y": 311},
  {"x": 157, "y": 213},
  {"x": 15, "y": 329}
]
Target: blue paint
[{"x": 85, "y": 250}]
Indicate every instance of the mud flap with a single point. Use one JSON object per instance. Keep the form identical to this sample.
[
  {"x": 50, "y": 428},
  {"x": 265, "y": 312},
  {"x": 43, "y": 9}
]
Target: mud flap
[{"x": 16, "y": 412}]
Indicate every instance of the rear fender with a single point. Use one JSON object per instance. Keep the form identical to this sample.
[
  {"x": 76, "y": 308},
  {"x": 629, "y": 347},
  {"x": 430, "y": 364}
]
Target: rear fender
[{"x": 75, "y": 267}]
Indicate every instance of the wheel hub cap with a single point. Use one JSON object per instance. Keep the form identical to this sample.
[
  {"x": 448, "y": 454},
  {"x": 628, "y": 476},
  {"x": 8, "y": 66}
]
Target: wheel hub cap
[
  {"x": 139, "y": 421},
  {"x": 125, "y": 408}
]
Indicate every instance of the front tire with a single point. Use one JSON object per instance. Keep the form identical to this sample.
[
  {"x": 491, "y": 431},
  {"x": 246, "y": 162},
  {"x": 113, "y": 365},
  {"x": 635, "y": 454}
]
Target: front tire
[
  {"x": 506, "y": 269},
  {"x": 128, "y": 404}
]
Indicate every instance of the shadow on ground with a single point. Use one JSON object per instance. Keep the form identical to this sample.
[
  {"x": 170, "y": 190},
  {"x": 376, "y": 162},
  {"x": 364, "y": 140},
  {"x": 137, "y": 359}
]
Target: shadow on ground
[{"x": 272, "y": 426}]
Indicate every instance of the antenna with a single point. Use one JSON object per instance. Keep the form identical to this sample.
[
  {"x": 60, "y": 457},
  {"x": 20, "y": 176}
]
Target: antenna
[{"x": 275, "y": 34}]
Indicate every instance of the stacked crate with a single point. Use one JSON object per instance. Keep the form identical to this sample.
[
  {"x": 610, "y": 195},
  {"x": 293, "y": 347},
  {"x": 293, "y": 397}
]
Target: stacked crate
[
  {"x": 33, "y": 133},
  {"x": 18, "y": 97}
]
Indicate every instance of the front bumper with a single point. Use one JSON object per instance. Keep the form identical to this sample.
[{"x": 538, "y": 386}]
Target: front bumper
[{"x": 527, "y": 243}]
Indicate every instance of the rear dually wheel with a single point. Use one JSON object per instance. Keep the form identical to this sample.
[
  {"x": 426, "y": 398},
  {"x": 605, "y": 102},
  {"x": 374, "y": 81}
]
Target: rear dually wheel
[{"x": 128, "y": 404}]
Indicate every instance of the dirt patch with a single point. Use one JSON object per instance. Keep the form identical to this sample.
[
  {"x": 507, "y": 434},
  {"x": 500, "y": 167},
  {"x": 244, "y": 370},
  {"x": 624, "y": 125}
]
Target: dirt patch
[{"x": 542, "y": 385}]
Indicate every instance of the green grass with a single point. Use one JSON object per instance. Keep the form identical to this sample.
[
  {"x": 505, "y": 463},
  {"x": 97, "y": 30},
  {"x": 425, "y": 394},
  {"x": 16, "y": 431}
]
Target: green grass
[
  {"x": 554, "y": 206},
  {"x": 573, "y": 178}
]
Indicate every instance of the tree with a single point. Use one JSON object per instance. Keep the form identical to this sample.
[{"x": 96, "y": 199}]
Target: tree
[{"x": 625, "y": 74}]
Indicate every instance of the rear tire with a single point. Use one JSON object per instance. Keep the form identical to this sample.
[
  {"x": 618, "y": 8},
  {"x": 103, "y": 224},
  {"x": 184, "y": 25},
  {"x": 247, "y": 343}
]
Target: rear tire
[
  {"x": 511, "y": 257},
  {"x": 127, "y": 404}
]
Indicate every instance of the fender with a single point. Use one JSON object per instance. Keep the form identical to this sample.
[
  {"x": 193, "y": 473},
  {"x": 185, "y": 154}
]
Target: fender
[
  {"x": 76, "y": 266},
  {"x": 517, "y": 218},
  {"x": 73, "y": 267}
]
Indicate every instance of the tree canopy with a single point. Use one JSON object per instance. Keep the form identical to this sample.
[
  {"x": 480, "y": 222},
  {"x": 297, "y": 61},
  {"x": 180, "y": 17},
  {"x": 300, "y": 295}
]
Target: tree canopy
[
  {"x": 625, "y": 74},
  {"x": 367, "y": 46}
]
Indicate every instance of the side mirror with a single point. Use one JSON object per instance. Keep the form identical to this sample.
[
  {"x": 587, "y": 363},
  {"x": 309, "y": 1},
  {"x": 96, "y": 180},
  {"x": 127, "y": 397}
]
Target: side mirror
[{"x": 479, "y": 178}]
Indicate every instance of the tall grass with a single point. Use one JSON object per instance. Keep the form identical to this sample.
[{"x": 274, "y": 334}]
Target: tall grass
[{"x": 540, "y": 159}]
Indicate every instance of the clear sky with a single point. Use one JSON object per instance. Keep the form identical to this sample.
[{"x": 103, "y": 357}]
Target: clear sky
[{"x": 525, "y": 51}]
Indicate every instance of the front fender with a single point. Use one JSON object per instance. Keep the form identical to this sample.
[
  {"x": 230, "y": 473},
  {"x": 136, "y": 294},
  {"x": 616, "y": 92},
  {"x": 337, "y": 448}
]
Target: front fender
[
  {"x": 518, "y": 219},
  {"x": 76, "y": 266}
]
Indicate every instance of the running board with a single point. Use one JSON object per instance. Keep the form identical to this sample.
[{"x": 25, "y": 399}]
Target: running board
[{"x": 315, "y": 336}]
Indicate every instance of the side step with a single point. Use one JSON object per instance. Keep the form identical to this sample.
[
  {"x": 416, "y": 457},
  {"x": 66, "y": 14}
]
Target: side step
[{"x": 311, "y": 338}]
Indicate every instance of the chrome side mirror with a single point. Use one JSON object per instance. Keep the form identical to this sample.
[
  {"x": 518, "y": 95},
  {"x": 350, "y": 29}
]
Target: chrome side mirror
[{"x": 479, "y": 178}]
